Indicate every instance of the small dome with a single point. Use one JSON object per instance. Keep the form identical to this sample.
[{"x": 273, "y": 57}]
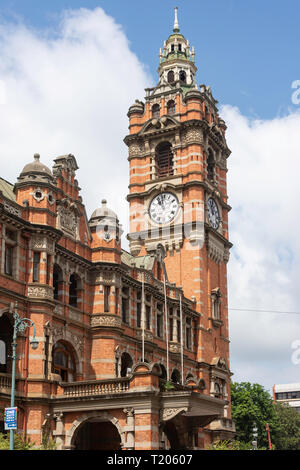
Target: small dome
[
  {"x": 36, "y": 167},
  {"x": 102, "y": 212}
]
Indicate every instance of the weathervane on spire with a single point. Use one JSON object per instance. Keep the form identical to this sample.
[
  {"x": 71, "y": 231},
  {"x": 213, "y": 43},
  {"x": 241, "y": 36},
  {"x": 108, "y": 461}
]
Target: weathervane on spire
[{"x": 176, "y": 25}]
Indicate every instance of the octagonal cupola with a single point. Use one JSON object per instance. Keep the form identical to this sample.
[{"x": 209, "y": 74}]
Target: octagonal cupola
[
  {"x": 35, "y": 190},
  {"x": 106, "y": 234},
  {"x": 36, "y": 172},
  {"x": 177, "y": 65}
]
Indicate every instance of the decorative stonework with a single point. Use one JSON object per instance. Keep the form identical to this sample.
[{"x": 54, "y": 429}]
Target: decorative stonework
[
  {"x": 58, "y": 309},
  {"x": 38, "y": 194},
  {"x": 67, "y": 220},
  {"x": 12, "y": 209},
  {"x": 226, "y": 255},
  {"x": 40, "y": 292},
  {"x": 215, "y": 248},
  {"x": 193, "y": 135},
  {"x": 148, "y": 335},
  {"x": 58, "y": 333},
  {"x": 167, "y": 414},
  {"x": 40, "y": 242},
  {"x": 135, "y": 149},
  {"x": 174, "y": 348},
  {"x": 106, "y": 321}
]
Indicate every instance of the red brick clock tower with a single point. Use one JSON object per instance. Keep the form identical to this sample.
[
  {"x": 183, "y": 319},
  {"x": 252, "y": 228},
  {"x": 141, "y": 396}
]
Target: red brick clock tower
[{"x": 178, "y": 195}]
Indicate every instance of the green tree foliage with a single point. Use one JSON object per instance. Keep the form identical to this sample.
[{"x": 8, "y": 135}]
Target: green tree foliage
[
  {"x": 19, "y": 442},
  {"x": 230, "y": 445},
  {"x": 253, "y": 405},
  {"x": 287, "y": 435}
]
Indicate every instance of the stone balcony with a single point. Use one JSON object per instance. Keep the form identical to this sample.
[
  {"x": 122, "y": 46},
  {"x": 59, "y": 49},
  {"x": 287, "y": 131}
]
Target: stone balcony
[{"x": 96, "y": 387}]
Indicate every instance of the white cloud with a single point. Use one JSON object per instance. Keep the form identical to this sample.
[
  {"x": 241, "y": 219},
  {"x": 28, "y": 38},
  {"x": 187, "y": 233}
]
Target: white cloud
[
  {"x": 68, "y": 91},
  {"x": 264, "y": 272}
]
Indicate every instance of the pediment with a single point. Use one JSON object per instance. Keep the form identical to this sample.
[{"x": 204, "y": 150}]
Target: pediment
[
  {"x": 159, "y": 124},
  {"x": 162, "y": 87}
]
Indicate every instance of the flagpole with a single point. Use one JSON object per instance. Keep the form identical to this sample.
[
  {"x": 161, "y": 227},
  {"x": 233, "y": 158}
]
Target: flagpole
[
  {"x": 166, "y": 321},
  {"x": 181, "y": 337}
]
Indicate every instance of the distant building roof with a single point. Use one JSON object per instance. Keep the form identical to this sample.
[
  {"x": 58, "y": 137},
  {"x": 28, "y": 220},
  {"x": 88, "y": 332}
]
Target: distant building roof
[
  {"x": 7, "y": 189},
  {"x": 294, "y": 387},
  {"x": 139, "y": 261}
]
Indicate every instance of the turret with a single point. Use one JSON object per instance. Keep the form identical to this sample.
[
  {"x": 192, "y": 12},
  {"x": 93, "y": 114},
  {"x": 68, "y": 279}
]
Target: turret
[{"x": 106, "y": 232}]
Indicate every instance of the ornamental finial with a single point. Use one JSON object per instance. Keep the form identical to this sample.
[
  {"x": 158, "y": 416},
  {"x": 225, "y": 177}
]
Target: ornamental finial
[{"x": 176, "y": 25}]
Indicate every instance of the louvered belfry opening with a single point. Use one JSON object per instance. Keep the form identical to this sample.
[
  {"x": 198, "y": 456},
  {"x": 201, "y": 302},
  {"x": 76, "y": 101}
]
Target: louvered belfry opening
[{"x": 164, "y": 160}]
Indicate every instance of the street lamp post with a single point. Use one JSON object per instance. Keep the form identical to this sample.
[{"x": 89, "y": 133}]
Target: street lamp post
[
  {"x": 20, "y": 325},
  {"x": 254, "y": 433}
]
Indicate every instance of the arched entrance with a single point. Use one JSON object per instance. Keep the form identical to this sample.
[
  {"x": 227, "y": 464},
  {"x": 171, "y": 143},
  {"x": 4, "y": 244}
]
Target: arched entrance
[
  {"x": 171, "y": 438},
  {"x": 95, "y": 434}
]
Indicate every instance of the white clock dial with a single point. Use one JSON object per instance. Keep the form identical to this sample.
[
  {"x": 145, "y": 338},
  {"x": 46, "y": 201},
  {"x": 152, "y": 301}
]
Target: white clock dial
[
  {"x": 163, "y": 208},
  {"x": 213, "y": 213}
]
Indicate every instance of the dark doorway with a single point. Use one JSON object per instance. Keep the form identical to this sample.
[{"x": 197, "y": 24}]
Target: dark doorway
[
  {"x": 171, "y": 433},
  {"x": 95, "y": 435}
]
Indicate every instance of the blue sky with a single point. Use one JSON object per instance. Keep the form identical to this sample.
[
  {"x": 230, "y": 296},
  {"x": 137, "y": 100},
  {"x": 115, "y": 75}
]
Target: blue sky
[
  {"x": 67, "y": 80},
  {"x": 247, "y": 51}
]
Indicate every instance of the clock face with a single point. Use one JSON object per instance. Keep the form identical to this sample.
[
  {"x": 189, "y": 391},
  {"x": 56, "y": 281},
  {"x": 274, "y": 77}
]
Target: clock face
[
  {"x": 163, "y": 208},
  {"x": 213, "y": 213}
]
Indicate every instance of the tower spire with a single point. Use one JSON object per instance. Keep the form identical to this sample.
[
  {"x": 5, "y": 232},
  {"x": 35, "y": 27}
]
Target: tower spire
[{"x": 176, "y": 25}]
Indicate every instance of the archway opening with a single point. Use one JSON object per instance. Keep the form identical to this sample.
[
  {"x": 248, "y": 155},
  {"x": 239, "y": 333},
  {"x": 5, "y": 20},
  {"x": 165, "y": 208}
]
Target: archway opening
[
  {"x": 126, "y": 364},
  {"x": 164, "y": 160},
  {"x": 97, "y": 435},
  {"x": 6, "y": 337},
  {"x": 57, "y": 282},
  {"x": 175, "y": 376},
  {"x": 64, "y": 361},
  {"x": 170, "y": 436}
]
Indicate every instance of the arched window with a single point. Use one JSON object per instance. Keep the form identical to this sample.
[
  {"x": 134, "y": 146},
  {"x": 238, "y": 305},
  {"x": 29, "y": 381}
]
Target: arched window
[
  {"x": 2, "y": 352},
  {"x": 74, "y": 290},
  {"x": 202, "y": 384},
  {"x": 210, "y": 165},
  {"x": 163, "y": 374},
  {"x": 155, "y": 111},
  {"x": 6, "y": 337},
  {"x": 188, "y": 333},
  {"x": 164, "y": 160},
  {"x": 171, "y": 107},
  {"x": 175, "y": 376},
  {"x": 126, "y": 364},
  {"x": 182, "y": 76},
  {"x": 57, "y": 282},
  {"x": 215, "y": 303},
  {"x": 63, "y": 362},
  {"x": 171, "y": 76},
  {"x": 218, "y": 393}
]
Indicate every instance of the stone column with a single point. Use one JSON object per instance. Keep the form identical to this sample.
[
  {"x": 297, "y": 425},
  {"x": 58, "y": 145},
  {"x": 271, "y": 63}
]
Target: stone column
[
  {"x": 129, "y": 428},
  {"x": 59, "y": 432}
]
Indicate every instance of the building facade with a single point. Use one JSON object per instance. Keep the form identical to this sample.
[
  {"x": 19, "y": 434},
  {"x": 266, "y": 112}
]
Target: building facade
[
  {"x": 287, "y": 394},
  {"x": 133, "y": 346}
]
